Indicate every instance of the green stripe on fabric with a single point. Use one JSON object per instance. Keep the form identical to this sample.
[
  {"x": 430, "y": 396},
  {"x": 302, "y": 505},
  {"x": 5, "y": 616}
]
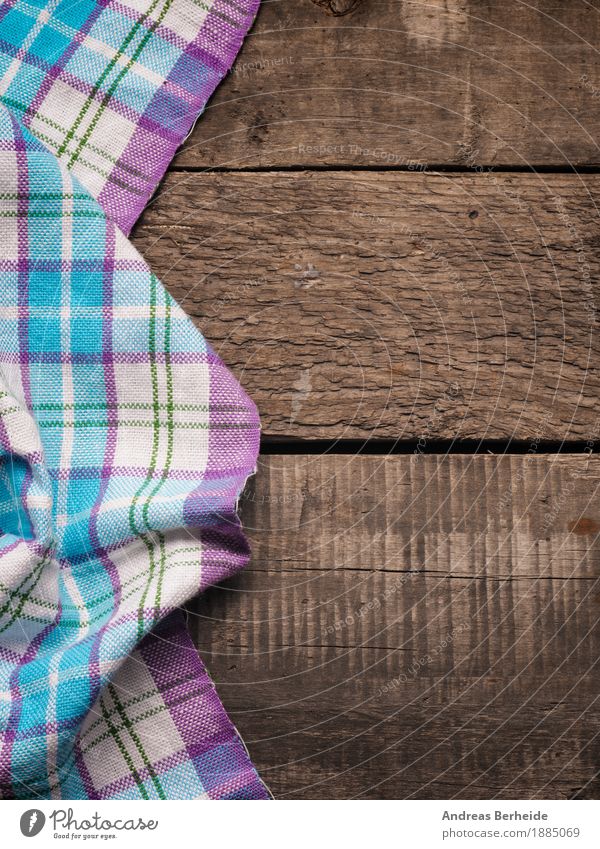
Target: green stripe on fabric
[
  {"x": 43, "y": 196},
  {"x": 123, "y": 749},
  {"x": 127, "y": 423},
  {"x": 52, "y": 143},
  {"x": 155, "y": 443},
  {"x": 35, "y": 576},
  {"x": 106, "y": 99},
  {"x": 43, "y": 214},
  {"x": 139, "y": 698},
  {"x": 106, "y": 173},
  {"x": 169, "y": 452},
  {"x": 137, "y": 742},
  {"x": 101, "y": 738},
  {"x": 69, "y": 606},
  {"x": 124, "y": 405},
  {"x": 106, "y": 735}
]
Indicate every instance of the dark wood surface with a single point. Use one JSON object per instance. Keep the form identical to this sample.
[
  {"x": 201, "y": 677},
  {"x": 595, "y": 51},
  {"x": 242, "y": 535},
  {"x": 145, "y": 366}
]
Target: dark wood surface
[
  {"x": 387, "y": 224},
  {"x": 358, "y": 305},
  {"x": 401, "y": 82},
  {"x": 415, "y": 626}
]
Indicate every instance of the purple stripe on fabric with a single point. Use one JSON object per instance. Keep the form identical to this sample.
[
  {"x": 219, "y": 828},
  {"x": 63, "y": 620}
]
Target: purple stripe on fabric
[
  {"x": 110, "y": 390},
  {"x": 10, "y": 656},
  {"x": 200, "y": 718},
  {"x": 125, "y": 357},
  {"x": 23, "y": 300},
  {"x": 7, "y": 779},
  {"x": 23, "y": 250},
  {"x": 215, "y": 47},
  {"x": 13, "y": 545},
  {"x": 142, "y": 774},
  {"x": 48, "y": 728},
  {"x": 91, "y": 473},
  {"x": 58, "y": 264},
  {"x": 207, "y": 738},
  {"x": 6, "y": 6},
  {"x": 84, "y": 773},
  {"x": 57, "y": 67}
]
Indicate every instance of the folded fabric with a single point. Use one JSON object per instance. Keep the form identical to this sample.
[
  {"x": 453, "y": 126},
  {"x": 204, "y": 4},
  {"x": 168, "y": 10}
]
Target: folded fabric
[{"x": 124, "y": 441}]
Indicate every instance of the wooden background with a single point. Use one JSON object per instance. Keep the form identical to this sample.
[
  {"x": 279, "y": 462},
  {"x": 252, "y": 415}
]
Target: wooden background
[{"x": 386, "y": 222}]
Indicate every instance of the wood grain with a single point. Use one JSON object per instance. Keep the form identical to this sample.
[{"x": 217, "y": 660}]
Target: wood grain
[
  {"x": 319, "y": 724},
  {"x": 393, "y": 305},
  {"x": 506, "y": 517},
  {"x": 399, "y": 82},
  {"x": 422, "y": 627},
  {"x": 410, "y": 625}
]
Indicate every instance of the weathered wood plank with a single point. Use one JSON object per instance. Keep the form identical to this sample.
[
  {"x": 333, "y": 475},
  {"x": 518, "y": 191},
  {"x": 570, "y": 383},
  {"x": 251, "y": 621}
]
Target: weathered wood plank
[
  {"x": 374, "y": 82},
  {"x": 513, "y": 516},
  {"x": 428, "y": 624},
  {"x": 393, "y": 305},
  {"x": 422, "y": 627},
  {"x": 333, "y": 723}
]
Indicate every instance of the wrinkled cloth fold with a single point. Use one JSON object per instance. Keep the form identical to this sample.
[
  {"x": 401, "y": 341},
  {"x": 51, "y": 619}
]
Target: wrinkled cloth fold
[{"x": 124, "y": 440}]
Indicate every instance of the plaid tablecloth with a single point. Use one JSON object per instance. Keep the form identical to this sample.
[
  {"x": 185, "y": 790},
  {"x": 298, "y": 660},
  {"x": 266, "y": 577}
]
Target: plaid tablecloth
[{"x": 124, "y": 441}]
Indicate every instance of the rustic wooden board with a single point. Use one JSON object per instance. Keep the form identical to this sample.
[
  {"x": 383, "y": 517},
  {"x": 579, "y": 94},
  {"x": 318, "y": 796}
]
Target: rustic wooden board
[
  {"x": 319, "y": 724},
  {"x": 399, "y": 82},
  {"x": 393, "y": 305},
  {"x": 421, "y": 627},
  {"x": 440, "y": 706},
  {"x": 513, "y": 516}
]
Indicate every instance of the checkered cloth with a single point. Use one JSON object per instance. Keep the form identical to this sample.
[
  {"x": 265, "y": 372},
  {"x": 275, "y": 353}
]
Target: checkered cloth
[
  {"x": 124, "y": 441},
  {"x": 112, "y": 88}
]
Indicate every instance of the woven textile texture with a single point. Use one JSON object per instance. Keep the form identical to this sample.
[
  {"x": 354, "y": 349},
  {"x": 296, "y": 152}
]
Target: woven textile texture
[
  {"x": 124, "y": 441},
  {"x": 112, "y": 88}
]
